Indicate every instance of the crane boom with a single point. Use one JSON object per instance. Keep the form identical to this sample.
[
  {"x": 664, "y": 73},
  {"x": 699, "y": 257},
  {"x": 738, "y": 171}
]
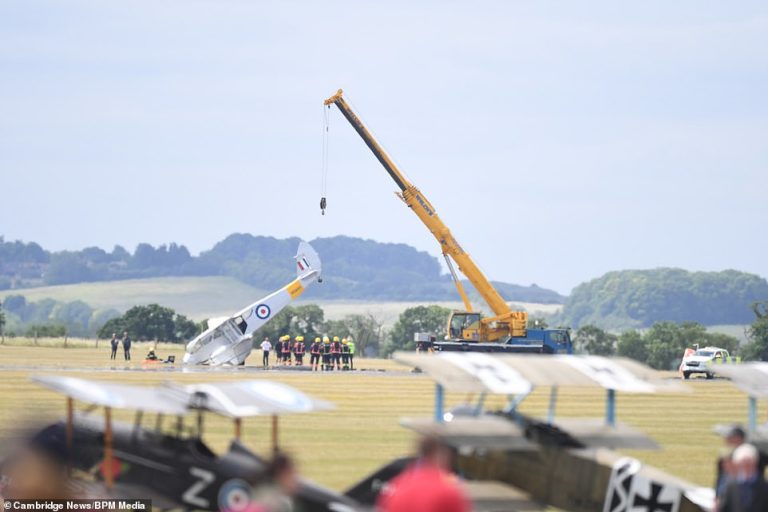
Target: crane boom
[{"x": 505, "y": 322}]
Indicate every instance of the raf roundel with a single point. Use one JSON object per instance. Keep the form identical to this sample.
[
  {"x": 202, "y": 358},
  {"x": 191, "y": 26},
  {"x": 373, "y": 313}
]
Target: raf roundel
[{"x": 263, "y": 311}]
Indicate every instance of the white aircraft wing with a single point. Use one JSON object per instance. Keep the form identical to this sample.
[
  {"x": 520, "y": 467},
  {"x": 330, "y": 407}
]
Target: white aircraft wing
[
  {"x": 239, "y": 399},
  {"x": 108, "y": 394},
  {"x": 752, "y": 378},
  {"x": 475, "y": 372}
]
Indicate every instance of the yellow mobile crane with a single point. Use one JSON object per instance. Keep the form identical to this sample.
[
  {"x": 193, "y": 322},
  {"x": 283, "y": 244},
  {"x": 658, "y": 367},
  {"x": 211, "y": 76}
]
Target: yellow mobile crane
[{"x": 467, "y": 330}]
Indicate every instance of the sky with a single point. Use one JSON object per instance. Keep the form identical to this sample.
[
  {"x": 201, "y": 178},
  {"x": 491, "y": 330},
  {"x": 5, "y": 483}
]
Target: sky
[{"x": 558, "y": 140}]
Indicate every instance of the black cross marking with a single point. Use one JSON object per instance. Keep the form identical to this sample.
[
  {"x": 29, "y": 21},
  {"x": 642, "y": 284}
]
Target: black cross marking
[{"x": 652, "y": 503}]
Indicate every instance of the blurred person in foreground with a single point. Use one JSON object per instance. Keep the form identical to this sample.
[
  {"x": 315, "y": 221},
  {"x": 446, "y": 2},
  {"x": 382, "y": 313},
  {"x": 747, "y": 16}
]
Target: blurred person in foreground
[
  {"x": 427, "y": 485},
  {"x": 283, "y": 483},
  {"x": 746, "y": 490}
]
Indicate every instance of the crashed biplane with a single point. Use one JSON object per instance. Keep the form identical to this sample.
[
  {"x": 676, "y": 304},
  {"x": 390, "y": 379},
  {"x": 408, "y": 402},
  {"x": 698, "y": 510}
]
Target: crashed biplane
[
  {"x": 169, "y": 464},
  {"x": 516, "y": 462},
  {"x": 228, "y": 339}
]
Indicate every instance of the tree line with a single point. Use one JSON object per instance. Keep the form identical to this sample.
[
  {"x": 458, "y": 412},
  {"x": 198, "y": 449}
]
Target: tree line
[
  {"x": 640, "y": 298},
  {"x": 354, "y": 268}
]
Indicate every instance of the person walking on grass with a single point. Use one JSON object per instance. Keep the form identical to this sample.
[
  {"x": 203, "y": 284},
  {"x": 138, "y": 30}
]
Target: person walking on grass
[
  {"x": 114, "y": 342},
  {"x": 126, "y": 346}
]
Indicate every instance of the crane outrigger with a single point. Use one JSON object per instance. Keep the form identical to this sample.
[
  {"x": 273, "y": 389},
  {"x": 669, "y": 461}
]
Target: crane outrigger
[{"x": 506, "y": 330}]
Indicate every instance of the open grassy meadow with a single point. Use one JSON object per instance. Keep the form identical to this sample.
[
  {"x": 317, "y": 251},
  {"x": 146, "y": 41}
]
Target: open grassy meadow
[{"x": 339, "y": 447}]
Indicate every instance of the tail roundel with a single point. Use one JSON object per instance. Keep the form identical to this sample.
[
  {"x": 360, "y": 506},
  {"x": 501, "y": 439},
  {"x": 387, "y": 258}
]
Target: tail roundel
[{"x": 307, "y": 261}]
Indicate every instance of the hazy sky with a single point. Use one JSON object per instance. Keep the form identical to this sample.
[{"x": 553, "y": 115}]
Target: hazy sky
[{"x": 558, "y": 140}]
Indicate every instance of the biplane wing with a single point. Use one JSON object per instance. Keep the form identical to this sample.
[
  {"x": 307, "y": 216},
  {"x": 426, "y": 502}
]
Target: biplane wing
[
  {"x": 241, "y": 399},
  {"x": 117, "y": 396},
  {"x": 475, "y": 372},
  {"x": 483, "y": 373},
  {"x": 234, "y": 399},
  {"x": 752, "y": 378}
]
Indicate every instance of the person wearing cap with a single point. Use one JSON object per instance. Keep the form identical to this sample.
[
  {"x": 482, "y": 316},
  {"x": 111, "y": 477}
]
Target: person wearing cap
[
  {"x": 345, "y": 353},
  {"x": 314, "y": 353},
  {"x": 326, "y": 354},
  {"x": 746, "y": 490},
  {"x": 298, "y": 350}
]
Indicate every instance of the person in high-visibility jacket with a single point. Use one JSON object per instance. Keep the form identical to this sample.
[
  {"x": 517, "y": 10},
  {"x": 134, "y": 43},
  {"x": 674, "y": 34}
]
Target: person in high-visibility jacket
[
  {"x": 299, "y": 348},
  {"x": 314, "y": 353},
  {"x": 345, "y": 353},
  {"x": 286, "y": 350},
  {"x": 336, "y": 353},
  {"x": 326, "y": 353},
  {"x": 351, "y": 344}
]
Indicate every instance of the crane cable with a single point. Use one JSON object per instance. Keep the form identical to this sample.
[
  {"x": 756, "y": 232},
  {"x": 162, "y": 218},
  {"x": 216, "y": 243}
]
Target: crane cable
[{"x": 324, "y": 164}]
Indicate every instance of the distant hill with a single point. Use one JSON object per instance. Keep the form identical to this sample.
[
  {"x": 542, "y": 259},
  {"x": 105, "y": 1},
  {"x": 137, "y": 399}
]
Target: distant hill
[
  {"x": 638, "y": 298},
  {"x": 354, "y": 268}
]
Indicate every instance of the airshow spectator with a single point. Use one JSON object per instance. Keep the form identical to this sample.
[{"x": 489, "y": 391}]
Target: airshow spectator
[
  {"x": 277, "y": 494},
  {"x": 746, "y": 491},
  {"x": 114, "y": 342},
  {"x": 126, "y": 346},
  {"x": 427, "y": 485}
]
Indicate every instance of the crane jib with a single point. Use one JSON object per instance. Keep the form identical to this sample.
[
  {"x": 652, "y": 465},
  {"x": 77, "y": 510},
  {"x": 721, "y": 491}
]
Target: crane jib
[{"x": 377, "y": 151}]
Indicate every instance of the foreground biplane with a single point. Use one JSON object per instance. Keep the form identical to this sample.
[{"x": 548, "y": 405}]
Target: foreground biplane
[
  {"x": 752, "y": 379},
  {"x": 171, "y": 466},
  {"x": 515, "y": 462}
]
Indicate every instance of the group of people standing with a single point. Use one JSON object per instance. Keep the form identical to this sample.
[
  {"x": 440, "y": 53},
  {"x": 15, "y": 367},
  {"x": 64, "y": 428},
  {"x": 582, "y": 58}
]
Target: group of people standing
[
  {"x": 116, "y": 341},
  {"x": 325, "y": 353}
]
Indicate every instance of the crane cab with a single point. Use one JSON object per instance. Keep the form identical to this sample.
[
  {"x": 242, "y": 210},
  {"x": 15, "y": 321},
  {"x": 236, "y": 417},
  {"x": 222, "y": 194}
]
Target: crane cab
[{"x": 464, "y": 326}]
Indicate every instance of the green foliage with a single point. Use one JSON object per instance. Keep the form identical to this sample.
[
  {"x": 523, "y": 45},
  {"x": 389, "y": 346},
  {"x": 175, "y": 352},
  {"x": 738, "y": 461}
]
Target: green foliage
[
  {"x": 46, "y": 331},
  {"x": 2, "y": 321},
  {"x": 77, "y": 317},
  {"x": 638, "y": 298},
  {"x": 633, "y": 345},
  {"x": 417, "y": 319},
  {"x": 151, "y": 322},
  {"x": 595, "y": 341},
  {"x": 354, "y": 268},
  {"x": 663, "y": 345},
  {"x": 757, "y": 348}
]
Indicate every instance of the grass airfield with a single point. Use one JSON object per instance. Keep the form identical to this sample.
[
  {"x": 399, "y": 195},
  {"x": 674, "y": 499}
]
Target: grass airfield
[{"x": 338, "y": 448}]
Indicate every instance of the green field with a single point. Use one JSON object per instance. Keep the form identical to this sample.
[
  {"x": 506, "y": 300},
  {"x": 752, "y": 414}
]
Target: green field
[
  {"x": 201, "y": 298},
  {"x": 337, "y": 448}
]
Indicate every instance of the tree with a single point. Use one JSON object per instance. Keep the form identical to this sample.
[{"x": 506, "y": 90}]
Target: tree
[
  {"x": 595, "y": 341},
  {"x": 66, "y": 268},
  {"x": 151, "y": 322},
  {"x": 366, "y": 331},
  {"x": 757, "y": 333},
  {"x": 46, "y": 331},
  {"x": 633, "y": 345},
  {"x": 417, "y": 319}
]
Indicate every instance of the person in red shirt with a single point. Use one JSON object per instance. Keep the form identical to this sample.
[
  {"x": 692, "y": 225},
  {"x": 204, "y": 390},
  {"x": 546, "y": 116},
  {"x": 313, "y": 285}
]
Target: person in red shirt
[{"x": 427, "y": 485}]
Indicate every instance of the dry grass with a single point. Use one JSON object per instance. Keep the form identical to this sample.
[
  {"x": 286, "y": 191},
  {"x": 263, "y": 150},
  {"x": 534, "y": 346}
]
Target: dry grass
[{"x": 337, "y": 448}]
